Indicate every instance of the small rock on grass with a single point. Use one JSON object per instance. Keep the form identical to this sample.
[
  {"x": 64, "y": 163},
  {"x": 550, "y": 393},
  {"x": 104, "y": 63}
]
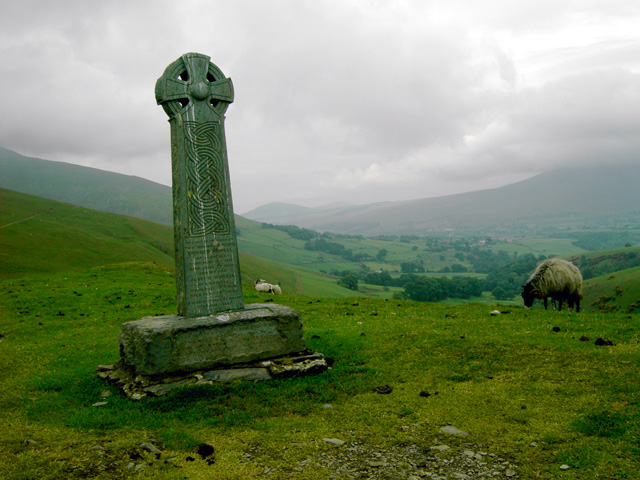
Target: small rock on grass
[
  {"x": 335, "y": 441},
  {"x": 454, "y": 431},
  {"x": 564, "y": 467},
  {"x": 440, "y": 448},
  {"x": 384, "y": 389},
  {"x": 149, "y": 448}
]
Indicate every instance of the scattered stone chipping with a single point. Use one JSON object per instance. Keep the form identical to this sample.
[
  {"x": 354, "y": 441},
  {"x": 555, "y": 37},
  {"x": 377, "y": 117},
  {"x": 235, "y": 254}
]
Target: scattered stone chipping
[{"x": 359, "y": 460}]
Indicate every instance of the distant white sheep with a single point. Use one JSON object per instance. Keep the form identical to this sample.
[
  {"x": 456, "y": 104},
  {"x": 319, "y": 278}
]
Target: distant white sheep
[
  {"x": 263, "y": 286},
  {"x": 555, "y": 278}
]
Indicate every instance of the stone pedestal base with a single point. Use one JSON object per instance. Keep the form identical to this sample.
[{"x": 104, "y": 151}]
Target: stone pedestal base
[
  {"x": 138, "y": 387},
  {"x": 172, "y": 344},
  {"x": 260, "y": 342}
]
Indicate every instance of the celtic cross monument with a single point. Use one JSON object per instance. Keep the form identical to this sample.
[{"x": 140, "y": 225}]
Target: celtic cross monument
[
  {"x": 195, "y": 94},
  {"x": 213, "y": 329}
]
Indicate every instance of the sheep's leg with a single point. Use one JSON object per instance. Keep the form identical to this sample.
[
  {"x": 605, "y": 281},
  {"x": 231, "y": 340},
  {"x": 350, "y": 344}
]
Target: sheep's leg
[
  {"x": 545, "y": 303},
  {"x": 559, "y": 304}
]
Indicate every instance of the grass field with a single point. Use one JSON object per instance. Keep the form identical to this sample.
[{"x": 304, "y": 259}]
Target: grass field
[
  {"x": 536, "y": 397},
  {"x": 618, "y": 291},
  {"x": 39, "y": 235}
]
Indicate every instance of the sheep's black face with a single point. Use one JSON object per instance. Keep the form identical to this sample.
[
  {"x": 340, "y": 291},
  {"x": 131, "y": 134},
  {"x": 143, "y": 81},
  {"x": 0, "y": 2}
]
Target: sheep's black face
[{"x": 528, "y": 296}]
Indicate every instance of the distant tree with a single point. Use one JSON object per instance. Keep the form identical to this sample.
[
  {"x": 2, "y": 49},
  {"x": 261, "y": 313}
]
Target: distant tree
[
  {"x": 410, "y": 267},
  {"x": 501, "y": 294},
  {"x": 382, "y": 278},
  {"x": 349, "y": 280},
  {"x": 424, "y": 289},
  {"x": 457, "y": 268},
  {"x": 382, "y": 254}
]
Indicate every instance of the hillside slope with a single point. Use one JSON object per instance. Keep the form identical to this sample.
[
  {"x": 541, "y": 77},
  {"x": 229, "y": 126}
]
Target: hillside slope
[
  {"x": 38, "y": 235},
  {"x": 572, "y": 197},
  {"x": 86, "y": 187},
  {"x": 614, "y": 292},
  {"x": 41, "y": 235}
]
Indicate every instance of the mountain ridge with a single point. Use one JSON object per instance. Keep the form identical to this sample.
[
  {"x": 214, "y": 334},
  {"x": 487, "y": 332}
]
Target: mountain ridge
[
  {"x": 582, "y": 197},
  {"x": 576, "y": 198},
  {"x": 86, "y": 187}
]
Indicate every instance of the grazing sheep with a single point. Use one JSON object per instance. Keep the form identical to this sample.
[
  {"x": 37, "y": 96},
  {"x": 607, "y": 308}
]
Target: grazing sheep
[
  {"x": 557, "y": 279},
  {"x": 262, "y": 286}
]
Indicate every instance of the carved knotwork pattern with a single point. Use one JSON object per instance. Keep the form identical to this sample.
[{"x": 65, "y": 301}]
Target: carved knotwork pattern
[{"x": 207, "y": 208}]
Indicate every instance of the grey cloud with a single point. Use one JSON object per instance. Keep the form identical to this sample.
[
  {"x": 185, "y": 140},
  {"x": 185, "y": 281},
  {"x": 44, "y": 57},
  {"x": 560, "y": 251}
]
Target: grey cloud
[{"x": 335, "y": 101}]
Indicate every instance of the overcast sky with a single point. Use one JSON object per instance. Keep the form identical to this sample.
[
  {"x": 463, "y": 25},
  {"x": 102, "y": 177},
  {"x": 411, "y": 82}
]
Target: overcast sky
[{"x": 337, "y": 100}]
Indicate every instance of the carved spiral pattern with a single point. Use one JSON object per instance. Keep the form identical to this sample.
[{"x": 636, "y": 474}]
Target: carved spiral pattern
[{"x": 206, "y": 186}]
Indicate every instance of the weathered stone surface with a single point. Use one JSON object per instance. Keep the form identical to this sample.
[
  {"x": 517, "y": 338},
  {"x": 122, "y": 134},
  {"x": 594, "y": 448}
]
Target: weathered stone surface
[
  {"x": 306, "y": 367},
  {"x": 167, "y": 344},
  {"x": 137, "y": 387},
  {"x": 213, "y": 328},
  {"x": 231, "y": 375},
  {"x": 195, "y": 95},
  {"x": 164, "y": 388},
  {"x": 335, "y": 441},
  {"x": 440, "y": 448},
  {"x": 454, "y": 431}
]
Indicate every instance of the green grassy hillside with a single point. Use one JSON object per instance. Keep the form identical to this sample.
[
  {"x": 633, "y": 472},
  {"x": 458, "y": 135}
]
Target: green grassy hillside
[
  {"x": 86, "y": 187},
  {"x": 40, "y": 235},
  {"x": 614, "y": 292},
  {"x": 602, "y": 262},
  {"x": 532, "y": 398},
  {"x": 44, "y": 236}
]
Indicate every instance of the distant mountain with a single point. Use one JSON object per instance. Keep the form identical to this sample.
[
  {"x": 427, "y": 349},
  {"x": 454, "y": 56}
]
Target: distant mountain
[
  {"x": 581, "y": 197},
  {"x": 270, "y": 211},
  {"x": 86, "y": 187},
  {"x": 275, "y": 210},
  {"x": 577, "y": 198}
]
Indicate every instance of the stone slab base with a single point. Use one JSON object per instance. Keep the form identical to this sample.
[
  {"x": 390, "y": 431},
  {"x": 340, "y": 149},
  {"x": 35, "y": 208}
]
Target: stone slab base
[
  {"x": 137, "y": 387},
  {"x": 174, "y": 345}
]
